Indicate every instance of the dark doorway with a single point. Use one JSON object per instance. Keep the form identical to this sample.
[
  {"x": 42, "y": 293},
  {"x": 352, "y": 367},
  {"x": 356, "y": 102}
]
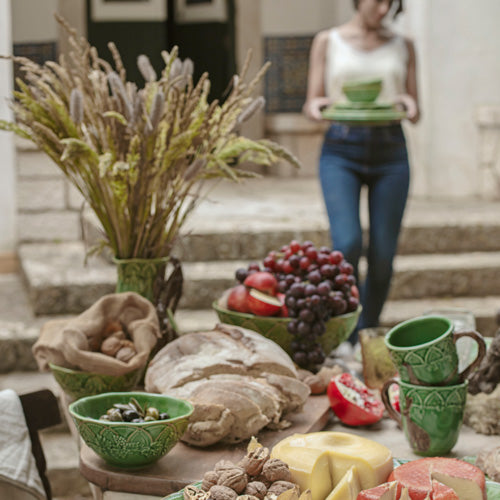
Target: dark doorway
[{"x": 195, "y": 26}]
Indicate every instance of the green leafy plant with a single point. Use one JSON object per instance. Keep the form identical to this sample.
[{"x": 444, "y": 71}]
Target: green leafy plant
[{"x": 139, "y": 156}]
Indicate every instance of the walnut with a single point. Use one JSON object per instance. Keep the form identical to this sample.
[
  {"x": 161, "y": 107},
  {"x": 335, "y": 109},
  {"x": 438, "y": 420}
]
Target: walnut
[
  {"x": 247, "y": 497},
  {"x": 193, "y": 493},
  {"x": 234, "y": 478},
  {"x": 219, "y": 492},
  {"x": 314, "y": 382},
  {"x": 276, "y": 470},
  {"x": 223, "y": 465},
  {"x": 111, "y": 345},
  {"x": 112, "y": 327},
  {"x": 254, "y": 461},
  {"x": 256, "y": 489},
  {"x": 262, "y": 479},
  {"x": 210, "y": 479},
  {"x": 125, "y": 354},
  {"x": 279, "y": 487}
]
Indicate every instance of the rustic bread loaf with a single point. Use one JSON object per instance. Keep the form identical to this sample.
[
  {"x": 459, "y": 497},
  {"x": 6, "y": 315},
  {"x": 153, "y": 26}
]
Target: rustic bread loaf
[{"x": 238, "y": 381}]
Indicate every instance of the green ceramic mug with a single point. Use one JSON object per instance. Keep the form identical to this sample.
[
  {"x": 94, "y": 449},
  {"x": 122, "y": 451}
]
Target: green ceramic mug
[
  {"x": 424, "y": 351},
  {"x": 431, "y": 416}
]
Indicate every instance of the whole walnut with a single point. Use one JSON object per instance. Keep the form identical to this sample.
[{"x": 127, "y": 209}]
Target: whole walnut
[
  {"x": 256, "y": 489},
  {"x": 125, "y": 354},
  {"x": 278, "y": 487},
  {"x": 276, "y": 470},
  {"x": 219, "y": 492},
  {"x": 111, "y": 345},
  {"x": 254, "y": 461},
  {"x": 235, "y": 478},
  {"x": 262, "y": 479},
  {"x": 210, "y": 479},
  {"x": 223, "y": 465}
]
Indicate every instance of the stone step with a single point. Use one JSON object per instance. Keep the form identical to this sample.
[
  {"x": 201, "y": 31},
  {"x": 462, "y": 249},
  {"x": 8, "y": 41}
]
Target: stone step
[
  {"x": 59, "y": 283},
  {"x": 429, "y": 227},
  {"x": 484, "y": 310},
  {"x": 246, "y": 220},
  {"x": 17, "y": 338}
]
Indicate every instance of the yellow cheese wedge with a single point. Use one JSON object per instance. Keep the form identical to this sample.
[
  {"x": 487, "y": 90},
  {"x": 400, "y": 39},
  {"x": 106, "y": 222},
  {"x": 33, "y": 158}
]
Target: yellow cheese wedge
[
  {"x": 310, "y": 469},
  {"x": 347, "y": 488},
  {"x": 320, "y": 460}
]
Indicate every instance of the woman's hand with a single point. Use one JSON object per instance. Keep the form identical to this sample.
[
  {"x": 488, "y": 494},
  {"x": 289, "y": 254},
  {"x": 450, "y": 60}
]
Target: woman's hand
[
  {"x": 312, "y": 107},
  {"x": 408, "y": 104}
]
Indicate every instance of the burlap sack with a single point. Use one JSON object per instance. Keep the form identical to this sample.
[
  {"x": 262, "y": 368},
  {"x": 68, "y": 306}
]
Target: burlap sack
[{"x": 70, "y": 343}]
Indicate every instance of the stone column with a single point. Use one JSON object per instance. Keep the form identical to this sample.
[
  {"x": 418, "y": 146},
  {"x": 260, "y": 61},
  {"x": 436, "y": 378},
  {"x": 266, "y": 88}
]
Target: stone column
[
  {"x": 8, "y": 233},
  {"x": 248, "y": 36}
]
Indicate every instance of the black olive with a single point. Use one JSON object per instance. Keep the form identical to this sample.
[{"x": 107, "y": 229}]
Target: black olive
[
  {"x": 129, "y": 415},
  {"x": 137, "y": 420},
  {"x": 164, "y": 416}
]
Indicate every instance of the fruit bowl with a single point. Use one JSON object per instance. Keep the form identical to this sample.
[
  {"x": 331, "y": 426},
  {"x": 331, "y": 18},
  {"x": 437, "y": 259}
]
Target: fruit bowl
[
  {"x": 130, "y": 444},
  {"x": 362, "y": 91},
  {"x": 338, "y": 328},
  {"x": 78, "y": 384}
]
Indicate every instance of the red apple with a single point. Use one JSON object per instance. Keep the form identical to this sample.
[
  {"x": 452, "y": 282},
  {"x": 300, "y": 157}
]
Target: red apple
[
  {"x": 284, "y": 310},
  {"x": 262, "y": 281},
  {"x": 262, "y": 304},
  {"x": 237, "y": 299}
]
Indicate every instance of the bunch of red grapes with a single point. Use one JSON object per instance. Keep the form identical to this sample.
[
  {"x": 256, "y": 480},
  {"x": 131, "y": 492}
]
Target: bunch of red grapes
[{"x": 318, "y": 284}]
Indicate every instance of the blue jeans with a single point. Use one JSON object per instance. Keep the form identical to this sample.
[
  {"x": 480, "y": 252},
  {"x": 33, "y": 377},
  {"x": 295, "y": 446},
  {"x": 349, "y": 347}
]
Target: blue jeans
[{"x": 353, "y": 156}]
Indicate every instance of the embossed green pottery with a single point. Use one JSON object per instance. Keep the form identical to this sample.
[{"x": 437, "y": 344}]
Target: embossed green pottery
[
  {"x": 362, "y": 90},
  {"x": 79, "y": 384},
  {"x": 424, "y": 351},
  {"x": 139, "y": 275},
  {"x": 338, "y": 328},
  {"x": 431, "y": 416},
  {"x": 127, "y": 444}
]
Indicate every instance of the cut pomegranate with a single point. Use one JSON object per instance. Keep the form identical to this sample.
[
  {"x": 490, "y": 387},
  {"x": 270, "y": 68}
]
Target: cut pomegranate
[{"x": 352, "y": 402}]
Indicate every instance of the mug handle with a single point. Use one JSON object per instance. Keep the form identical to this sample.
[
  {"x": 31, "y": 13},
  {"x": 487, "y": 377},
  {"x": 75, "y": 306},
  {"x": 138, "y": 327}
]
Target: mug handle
[
  {"x": 387, "y": 402},
  {"x": 481, "y": 350}
]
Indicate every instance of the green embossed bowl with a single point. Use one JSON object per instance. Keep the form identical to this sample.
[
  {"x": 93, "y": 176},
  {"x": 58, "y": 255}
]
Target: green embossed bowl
[
  {"x": 78, "y": 384},
  {"x": 362, "y": 91},
  {"x": 338, "y": 328},
  {"x": 128, "y": 444}
]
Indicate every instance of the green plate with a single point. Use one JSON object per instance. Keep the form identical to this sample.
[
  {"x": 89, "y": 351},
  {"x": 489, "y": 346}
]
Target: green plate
[
  {"x": 363, "y": 115},
  {"x": 362, "y": 105}
]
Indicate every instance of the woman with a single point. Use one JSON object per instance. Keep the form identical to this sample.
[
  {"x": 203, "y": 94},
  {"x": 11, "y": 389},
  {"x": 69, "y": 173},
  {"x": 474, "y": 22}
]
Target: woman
[{"x": 353, "y": 156}]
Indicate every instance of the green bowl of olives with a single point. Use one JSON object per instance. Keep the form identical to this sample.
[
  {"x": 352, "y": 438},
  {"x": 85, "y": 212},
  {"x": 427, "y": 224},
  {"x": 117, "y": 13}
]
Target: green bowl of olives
[{"x": 130, "y": 429}]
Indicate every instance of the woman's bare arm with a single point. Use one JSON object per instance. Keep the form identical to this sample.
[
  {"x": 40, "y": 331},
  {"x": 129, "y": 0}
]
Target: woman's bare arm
[
  {"x": 315, "y": 97},
  {"x": 410, "y": 99}
]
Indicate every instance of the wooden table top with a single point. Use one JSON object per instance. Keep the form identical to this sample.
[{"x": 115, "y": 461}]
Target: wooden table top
[{"x": 186, "y": 464}]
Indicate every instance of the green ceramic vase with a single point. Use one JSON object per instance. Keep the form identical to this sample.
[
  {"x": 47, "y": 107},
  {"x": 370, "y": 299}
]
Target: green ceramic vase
[{"x": 140, "y": 275}]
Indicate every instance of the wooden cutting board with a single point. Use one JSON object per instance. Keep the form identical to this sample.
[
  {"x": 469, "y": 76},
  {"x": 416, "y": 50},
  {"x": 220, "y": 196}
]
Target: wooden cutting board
[{"x": 186, "y": 464}]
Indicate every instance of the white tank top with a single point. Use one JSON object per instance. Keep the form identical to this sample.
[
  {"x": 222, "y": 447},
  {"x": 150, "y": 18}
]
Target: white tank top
[{"x": 345, "y": 62}]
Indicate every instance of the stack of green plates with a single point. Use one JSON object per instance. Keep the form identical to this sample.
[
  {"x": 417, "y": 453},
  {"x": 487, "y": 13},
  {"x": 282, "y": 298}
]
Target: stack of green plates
[{"x": 363, "y": 112}]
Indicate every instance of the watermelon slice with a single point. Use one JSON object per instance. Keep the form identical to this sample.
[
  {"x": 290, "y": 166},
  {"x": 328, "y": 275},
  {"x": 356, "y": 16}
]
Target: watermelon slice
[{"x": 467, "y": 480}]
